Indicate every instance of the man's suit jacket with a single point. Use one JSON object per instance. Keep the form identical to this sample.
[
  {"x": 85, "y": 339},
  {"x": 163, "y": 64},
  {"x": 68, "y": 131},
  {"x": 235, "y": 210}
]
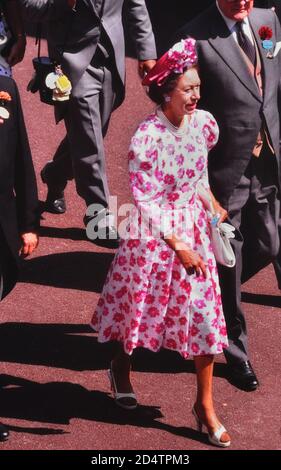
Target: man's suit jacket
[
  {"x": 76, "y": 33},
  {"x": 18, "y": 190},
  {"x": 230, "y": 93}
]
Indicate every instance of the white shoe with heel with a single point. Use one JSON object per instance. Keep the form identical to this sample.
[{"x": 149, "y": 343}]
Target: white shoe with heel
[
  {"x": 126, "y": 401},
  {"x": 216, "y": 436}
]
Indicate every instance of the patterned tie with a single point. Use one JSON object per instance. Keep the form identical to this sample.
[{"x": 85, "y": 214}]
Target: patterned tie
[{"x": 245, "y": 43}]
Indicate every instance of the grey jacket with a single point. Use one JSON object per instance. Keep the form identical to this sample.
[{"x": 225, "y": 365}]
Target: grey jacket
[
  {"x": 230, "y": 93},
  {"x": 73, "y": 35}
]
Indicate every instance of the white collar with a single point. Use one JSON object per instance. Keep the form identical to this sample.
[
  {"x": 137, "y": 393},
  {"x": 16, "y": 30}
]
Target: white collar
[{"x": 231, "y": 23}]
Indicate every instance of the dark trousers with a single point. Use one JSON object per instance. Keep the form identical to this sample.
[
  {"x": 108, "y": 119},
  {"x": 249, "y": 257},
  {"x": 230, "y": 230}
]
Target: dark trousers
[
  {"x": 80, "y": 155},
  {"x": 8, "y": 268},
  {"x": 256, "y": 202}
]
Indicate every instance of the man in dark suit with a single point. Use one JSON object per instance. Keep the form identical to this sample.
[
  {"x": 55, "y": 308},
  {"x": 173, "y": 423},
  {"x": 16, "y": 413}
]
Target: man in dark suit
[
  {"x": 240, "y": 80},
  {"x": 86, "y": 37},
  {"x": 18, "y": 196}
]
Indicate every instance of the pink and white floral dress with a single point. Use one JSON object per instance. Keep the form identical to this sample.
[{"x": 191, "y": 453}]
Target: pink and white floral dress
[{"x": 148, "y": 299}]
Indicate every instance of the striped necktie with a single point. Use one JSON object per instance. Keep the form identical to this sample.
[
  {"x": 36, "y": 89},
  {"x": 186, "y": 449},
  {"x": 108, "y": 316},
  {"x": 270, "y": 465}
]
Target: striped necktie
[{"x": 245, "y": 43}]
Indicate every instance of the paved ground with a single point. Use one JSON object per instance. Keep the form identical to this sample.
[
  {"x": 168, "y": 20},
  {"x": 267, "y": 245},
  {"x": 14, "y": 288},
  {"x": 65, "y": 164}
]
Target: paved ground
[{"x": 55, "y": 393}]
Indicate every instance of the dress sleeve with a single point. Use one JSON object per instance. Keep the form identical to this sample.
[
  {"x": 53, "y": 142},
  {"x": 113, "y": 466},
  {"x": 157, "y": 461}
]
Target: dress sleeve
[
  {"x": 145, "y": 182},
  {"x": 210, "y": 131}
]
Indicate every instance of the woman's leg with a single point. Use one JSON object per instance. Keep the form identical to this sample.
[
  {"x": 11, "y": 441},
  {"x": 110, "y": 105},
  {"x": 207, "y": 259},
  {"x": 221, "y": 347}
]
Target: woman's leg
[
  {"x": 121, "y": 368},
  {"x": 204, "y": 406}
]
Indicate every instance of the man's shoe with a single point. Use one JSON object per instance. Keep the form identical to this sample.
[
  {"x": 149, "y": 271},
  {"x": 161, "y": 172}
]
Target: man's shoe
[
  {"x": 55, "y": 202},
  {"x": 4, "y": 433},
  {"x": 242, "y": 376},
  {"x": 101, "y": 231}
]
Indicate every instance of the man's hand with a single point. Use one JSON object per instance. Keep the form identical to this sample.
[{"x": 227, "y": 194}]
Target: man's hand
[
  {"x": 30, "y": 242},
  {"x": 145, "y": 66},
  {"x": 17, "y": 51}
]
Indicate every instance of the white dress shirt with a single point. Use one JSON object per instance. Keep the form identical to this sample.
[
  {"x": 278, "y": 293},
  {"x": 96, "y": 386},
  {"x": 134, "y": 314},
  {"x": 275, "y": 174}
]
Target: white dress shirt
[{"x": 231, "y": 24}]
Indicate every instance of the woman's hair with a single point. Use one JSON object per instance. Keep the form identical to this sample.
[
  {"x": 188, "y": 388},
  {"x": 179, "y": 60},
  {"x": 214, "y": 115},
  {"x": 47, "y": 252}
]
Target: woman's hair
[{"x": 157, "y": 93}]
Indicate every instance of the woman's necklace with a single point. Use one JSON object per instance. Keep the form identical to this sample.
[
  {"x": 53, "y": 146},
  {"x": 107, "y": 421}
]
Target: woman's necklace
[{"x": 177, "y": 131}]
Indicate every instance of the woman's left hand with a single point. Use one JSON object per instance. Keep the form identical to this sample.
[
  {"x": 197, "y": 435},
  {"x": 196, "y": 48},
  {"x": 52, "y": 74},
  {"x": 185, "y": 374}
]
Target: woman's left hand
[{"x": 219, "y": 211}]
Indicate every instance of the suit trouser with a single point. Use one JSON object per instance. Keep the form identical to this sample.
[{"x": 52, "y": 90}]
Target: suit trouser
[
  {"x": 80, "y": 155},
  {"x": 257, "y": 197},
  {"x": 8, "y": 268}
]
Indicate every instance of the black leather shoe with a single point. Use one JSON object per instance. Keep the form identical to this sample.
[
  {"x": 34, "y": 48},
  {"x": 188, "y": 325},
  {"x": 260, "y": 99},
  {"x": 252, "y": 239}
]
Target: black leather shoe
[
  {"x": 55, "y": 202},
  {"x": 242, "y": 376},
  {"x": 108, "y": 236},
  {"x": 4, "y": 433}
]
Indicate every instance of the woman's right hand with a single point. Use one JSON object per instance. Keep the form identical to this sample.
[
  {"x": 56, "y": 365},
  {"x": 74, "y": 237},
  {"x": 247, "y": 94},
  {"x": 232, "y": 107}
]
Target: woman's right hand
[{"x": 191, "y": 261}]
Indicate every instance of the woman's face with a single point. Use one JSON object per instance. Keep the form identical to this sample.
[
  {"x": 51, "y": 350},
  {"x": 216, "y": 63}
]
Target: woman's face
[{"x": 184, "y": 97}]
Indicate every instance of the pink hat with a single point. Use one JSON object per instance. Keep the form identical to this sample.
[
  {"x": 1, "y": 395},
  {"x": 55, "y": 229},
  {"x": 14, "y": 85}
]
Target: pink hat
[{"x": 182, "y": 55}]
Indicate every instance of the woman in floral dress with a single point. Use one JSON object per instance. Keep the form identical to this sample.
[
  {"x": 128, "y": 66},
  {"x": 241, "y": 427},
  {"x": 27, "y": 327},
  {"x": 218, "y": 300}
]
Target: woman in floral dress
[{"x": 162, "y": 289}]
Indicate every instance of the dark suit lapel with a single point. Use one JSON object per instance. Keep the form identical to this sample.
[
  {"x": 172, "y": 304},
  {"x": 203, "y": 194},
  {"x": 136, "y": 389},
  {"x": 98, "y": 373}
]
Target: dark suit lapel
[
  {"x": 92, "y": 4},
  {"x": 224, "y": 44},
  {"x": 255, "y": 25}
]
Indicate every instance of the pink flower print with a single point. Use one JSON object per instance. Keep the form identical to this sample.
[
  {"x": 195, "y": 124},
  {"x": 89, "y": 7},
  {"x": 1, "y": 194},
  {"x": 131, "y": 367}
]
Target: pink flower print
[
  {"x": 200, "y": 164},
  {"x": 169, "y": 322},
  {"x": 105, "y": 311},
  {"x": 154, "y": 343},
  {"x": 189, "y": 147},
  {"x": 122, "y": 260},
  {"x": 183, "y": 321},
  {"x": 176, "y": 275},
  {"x": 169, "y": 179},
  {"x": 180, "y": 159},
  {"x": 107, "y": 332},
  {"x": 164, "y": 255},
  {"x": 215, "y": 322},
  {"x": 118, "y": 317},
  {"x": 195, "y": 348},
  {"x": 140, "y": 343},
  {"x": 126, "y": 307},
  {"x": 143, "y": 327},
  {"x": 153, "y": 312},
  {"x": 101, "y": 302},
  {"x": 160, "y": 126},
  {"x": 139, "y": 296},
  {"x": 94, "y": 320},
  {"x": 181, "y": 299},
  {"x": 132, "y": 260},
  {"x": 158, "y": 175},
  {"x": 190, "y": 173},
  {"x": 200, "y": 303},
  {"x": 129, "y": 346},
  {"x": 181, "y": 173},
  {"x": 131, "y": 155},
  {"x": 151, "y": 154},
  {"x": 174, "y": 312},
  {"x": 163, "y": 300},
  {"x": 170, "y": 149},
  {"x": 223, "y": 331},
  {"x": 185, "y": 187},
  {"x": 136, "y": 278},
  {"x": 165, "y": 289},
  {"x": 145, "y": 166},
  {"x": 172, "y": 197},
  {"x": 127, "y": 332},
  {"x": 209, "y": 294},
  {"x": 149, "y": 299},
  {"x": 155, "y": 267},
  {"x": 198, "y": 317},
  {"x": 171, "y": 343},
  {"x": 141, "y": 261},
  {"x": 133, "y": 243},
  {"x": 121, "y": 292},
  {"x": 159, "y": 328},
  {"x": 210, "y": 339},
  {"x": 151, "y": 245},
  {"x": 182, "y": 336},
  {"x": 117, "y": 277},
  {"x": 109, "y": 299},
  {"x": 185, "y": 285},
  {"x": 143, "y": 127},
  {"x": 134, "y": 324},
  {"x": 161, "y": 276},
  {"x": 194, "y": 330}
]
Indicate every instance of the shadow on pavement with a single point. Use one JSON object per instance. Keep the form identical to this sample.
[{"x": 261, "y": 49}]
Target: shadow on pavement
[
  {"x": 80, "y": 270},
  {"x": 262, "y": 299},
  {"x": 69, "y": 233},
  {"x": 59, "y": 402},
  {"x": 53, "y": 345}
]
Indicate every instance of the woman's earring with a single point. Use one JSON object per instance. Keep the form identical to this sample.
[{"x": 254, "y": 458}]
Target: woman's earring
[{"x": 167, "y": 98}]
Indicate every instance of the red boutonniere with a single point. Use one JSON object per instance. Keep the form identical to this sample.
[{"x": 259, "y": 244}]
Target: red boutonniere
[
  {"x": 265, "y": 33},
  {"x": 4, "y": 99}
]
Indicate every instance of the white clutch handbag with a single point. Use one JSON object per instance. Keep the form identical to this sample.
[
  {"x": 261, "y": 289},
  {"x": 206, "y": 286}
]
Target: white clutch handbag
[{"x": 220, "y": 234}]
